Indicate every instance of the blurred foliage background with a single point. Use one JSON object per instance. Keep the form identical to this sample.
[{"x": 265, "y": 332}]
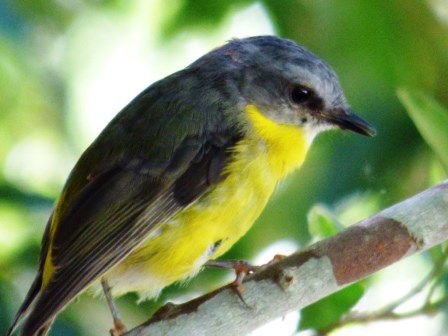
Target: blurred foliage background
[{"x": 66, "y": 67}]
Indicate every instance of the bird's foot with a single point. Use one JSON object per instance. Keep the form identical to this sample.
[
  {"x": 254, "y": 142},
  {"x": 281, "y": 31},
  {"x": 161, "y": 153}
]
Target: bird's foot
[
  {"x": 119, "y": 329},
  {"x": 242, "y": 269}
]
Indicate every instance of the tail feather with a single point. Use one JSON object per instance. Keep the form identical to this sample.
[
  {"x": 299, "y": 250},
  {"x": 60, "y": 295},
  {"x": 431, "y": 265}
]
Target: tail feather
[
  {"x": 38, "y": 311},
  {"x": 43, "y": 331},
  {"x": 39, "y": 321},
  {"x": 24, "y": 309},
  {"x": 36, "y": 287},
  {"x": 50, "y": 302}
]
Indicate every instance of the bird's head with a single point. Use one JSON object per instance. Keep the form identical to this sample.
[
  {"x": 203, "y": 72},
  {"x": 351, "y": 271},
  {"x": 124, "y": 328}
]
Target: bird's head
[{"x": 287, "y": 83}]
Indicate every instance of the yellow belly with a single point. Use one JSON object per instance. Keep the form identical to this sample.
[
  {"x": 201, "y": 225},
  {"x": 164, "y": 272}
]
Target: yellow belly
[{"x": 211, "y": 225}]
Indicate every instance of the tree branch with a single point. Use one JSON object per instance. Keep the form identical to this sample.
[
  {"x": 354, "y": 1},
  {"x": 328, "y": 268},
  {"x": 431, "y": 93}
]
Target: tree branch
[
  {"x": 411, "y": 226},
  {"x": 388, "y": 312}
]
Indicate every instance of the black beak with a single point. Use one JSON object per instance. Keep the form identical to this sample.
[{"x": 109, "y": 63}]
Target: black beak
[{"x": 346, "y": 119}]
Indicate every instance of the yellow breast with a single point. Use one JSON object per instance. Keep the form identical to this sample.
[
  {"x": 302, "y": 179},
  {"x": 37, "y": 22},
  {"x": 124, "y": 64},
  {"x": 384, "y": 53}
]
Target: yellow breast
[
  {"x": 211, "y": 225},
  {"x": 286, "y": 145}
]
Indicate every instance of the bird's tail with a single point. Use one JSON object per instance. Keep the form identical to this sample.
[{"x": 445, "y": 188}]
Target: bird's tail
[
  {"x": 44, "y": 330},
  {"x": 35, "y": 290},
  {"x": 24, "y": 309}
]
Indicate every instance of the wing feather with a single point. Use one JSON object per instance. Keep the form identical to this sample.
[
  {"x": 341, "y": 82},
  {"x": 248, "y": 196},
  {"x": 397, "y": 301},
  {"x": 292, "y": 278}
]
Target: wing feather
[{"x": 115, "y": 213}]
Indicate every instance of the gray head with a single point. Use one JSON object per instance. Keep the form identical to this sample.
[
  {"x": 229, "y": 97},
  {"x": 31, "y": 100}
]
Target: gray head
[{"x": 289, "y": 84}]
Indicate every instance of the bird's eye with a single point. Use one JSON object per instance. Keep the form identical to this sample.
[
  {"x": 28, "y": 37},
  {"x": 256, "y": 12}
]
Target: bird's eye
[{"x": 300, "y": 94}]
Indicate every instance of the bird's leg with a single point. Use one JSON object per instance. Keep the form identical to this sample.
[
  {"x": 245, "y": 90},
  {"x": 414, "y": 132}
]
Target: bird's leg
[
  {"x": 119, "y": 328},
  {"x": 241, "y": 268}
]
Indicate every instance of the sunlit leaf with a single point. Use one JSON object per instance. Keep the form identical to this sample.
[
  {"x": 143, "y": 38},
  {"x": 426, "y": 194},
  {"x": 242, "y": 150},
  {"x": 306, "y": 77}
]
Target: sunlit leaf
[
  {"x": 430, "y": 118},
  {"x": 356, "y": 207},
  {"x": 201, "y": 13},
  {"x": 330, "y": 309},
  {"x": 322, "y": 222}
]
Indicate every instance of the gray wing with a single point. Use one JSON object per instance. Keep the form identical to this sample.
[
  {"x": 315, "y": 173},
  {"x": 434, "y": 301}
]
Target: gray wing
[{"x": 117, "y": 211}]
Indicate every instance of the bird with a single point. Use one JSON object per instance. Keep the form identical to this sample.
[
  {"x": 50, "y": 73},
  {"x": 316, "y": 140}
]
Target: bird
[{"x": 182, "y": 172}]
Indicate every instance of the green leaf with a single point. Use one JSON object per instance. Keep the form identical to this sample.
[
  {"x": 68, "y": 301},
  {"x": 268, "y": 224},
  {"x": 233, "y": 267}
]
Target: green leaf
[
  {"x": 431, "y": 120},
  {"x": 203, "y": 14},
  {"x": 325, "y": 312},
  {"x": 322, "y": 222}
]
